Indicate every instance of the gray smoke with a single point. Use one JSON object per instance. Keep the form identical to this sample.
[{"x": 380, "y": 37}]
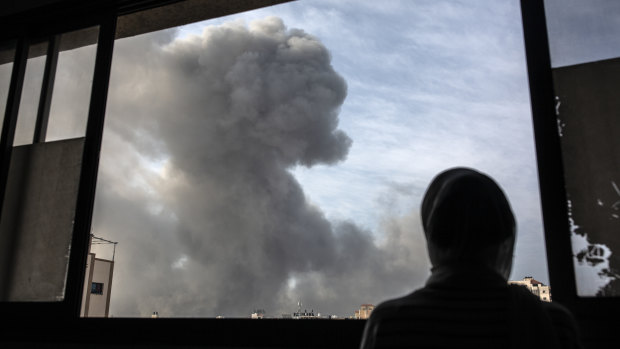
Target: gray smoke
[{"x": 194, "y": 183}]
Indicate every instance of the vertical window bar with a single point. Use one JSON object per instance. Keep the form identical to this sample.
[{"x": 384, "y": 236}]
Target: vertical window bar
[
  {"x": 9, "y": 124},
  {"x": 90, "y": 166},
  {"x": 47, "y": 88},
  {"x": 11, "y": 111},
  {"x": 548, "y": 153}
]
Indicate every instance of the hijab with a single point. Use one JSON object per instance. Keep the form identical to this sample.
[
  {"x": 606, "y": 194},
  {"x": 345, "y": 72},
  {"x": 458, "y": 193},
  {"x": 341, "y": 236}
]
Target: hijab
[{"x": 467, "y": 220}]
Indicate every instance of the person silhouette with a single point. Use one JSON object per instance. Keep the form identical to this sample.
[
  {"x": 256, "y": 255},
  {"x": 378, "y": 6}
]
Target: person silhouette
[{"x": 467, "y": 303}]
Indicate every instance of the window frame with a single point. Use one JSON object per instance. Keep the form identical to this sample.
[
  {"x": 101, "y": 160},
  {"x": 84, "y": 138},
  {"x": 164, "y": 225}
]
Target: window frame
[
  {"x": 32, "y": 29},
  {"x": 596, "y": 316},
  {"x": 31, "y": 320}
]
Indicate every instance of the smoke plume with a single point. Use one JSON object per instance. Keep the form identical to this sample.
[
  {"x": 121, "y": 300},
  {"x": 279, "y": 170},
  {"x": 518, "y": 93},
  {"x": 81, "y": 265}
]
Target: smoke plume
[{"x": 195, "y": 182}]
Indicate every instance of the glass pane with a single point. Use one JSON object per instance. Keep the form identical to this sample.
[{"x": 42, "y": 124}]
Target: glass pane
[
  {"x": 72, "y": 86},
  {"x": 39, "y": 204},
  {"x": 582, "y": 32},
  {"x": 31, "y": 92},
  {"x": 583, "y": 40},
  {"x": 7, "y": 54},
  {"x": 272, "y": 163}
]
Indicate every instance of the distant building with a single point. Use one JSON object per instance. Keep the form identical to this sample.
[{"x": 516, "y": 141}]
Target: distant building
[
  {"x": 258, "y": 314},
  {"x": 97, "y": 283},
  {"x": 364, "y": 311},
  {"x": 304, "y": 314},
  {"x": 539, "y": 289},
  {"x": 97, "y": 287}
]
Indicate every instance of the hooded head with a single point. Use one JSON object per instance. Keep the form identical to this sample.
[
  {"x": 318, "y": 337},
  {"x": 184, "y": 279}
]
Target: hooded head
[{"x": 468, "y": 221}]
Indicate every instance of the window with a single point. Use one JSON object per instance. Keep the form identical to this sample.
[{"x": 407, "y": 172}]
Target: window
[
  {"x": 96, "y": 288},
  {"x": 38, "y": 207},
  {"x": 267, "y": 157},
  {"x": 585, "y": 76},
  {"x": 338, "y": 333}
]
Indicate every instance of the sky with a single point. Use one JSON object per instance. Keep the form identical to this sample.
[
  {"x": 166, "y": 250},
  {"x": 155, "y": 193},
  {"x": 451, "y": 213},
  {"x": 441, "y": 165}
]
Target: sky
[{"x": 280, "y": 155}]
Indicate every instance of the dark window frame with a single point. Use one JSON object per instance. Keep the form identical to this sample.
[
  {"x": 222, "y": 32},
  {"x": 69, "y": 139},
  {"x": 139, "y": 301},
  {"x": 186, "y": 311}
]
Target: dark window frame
[
  {"x": 597, "y": 316},
  {"x": 59, "y": 321}
]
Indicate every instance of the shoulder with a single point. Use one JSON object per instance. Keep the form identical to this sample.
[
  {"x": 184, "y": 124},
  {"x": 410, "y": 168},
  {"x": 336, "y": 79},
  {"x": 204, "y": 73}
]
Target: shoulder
[
  {"x": 564, "y": 324},
  {"x": 384, "y": 310},
  {"x": 400, "y": 306},
  {"x": 552, "y": 314}
]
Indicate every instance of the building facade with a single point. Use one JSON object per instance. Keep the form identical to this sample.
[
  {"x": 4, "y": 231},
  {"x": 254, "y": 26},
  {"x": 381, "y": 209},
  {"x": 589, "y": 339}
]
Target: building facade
[
  {"x": 364, "y": 311},
  {"x": 537, "y": 288},
  {"x": 97, "y": 287}
]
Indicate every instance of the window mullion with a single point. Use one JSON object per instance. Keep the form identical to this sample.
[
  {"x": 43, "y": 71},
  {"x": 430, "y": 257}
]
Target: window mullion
[
  {"x": 47, "y": 88},
  {"x": 90, "y": 165}
]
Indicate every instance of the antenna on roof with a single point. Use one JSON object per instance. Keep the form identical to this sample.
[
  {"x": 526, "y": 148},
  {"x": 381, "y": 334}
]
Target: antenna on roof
[{"x": 102, "y": 241}]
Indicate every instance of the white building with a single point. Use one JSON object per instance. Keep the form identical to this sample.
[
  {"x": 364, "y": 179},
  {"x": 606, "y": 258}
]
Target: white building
[
  {"x": 97, "y": 285},
  {"x": 364, "y": 311},
  {"x": 539, "y": 289}
]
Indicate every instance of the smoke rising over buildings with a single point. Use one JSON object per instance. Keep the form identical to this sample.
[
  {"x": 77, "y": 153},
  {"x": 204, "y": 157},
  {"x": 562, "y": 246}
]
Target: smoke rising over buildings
[{"x": 201, "y": 135}]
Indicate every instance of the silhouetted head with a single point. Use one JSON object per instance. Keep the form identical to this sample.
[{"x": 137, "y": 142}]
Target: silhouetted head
[{"x": 468, "y": 221}]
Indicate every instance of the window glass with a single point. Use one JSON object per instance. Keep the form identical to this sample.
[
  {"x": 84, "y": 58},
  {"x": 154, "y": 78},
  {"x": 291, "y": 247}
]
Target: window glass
[
  {"x": 31, "y": 92},
  {"x": 96, "y": 288},
  {"x": 580, "y": 33},
  {"x": 38, "y": 211},
  {"x": 276, "y": 159},
  {"x": 7, "y": 53},
  {"x": 585, "y": 53},
  {"x": 72, "y": 87}
]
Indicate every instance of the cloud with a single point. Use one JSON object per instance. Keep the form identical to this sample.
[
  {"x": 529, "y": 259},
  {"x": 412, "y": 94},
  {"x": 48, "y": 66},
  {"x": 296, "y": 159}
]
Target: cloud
[{"x": 195, "y": 183}]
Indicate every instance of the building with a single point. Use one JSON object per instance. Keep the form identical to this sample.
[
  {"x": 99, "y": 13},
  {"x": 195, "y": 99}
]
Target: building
[
  {"x": 364, "y": 311},
  {"x": 305, "y": 314},
  {"x": 258, "y": 314},
  {"x": 97, "y": 284},
  {"x": 97, "y": 287},
  {"x": 539, "y": 289}
]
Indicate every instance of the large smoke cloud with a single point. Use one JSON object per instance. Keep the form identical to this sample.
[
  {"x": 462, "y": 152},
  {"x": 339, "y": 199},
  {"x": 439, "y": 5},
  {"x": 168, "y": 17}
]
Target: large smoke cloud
[{"x": 201, "y": 133}]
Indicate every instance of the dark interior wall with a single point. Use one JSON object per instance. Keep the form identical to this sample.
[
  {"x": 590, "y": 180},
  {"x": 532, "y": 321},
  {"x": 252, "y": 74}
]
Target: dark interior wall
[{"x": 10, "y": 7}]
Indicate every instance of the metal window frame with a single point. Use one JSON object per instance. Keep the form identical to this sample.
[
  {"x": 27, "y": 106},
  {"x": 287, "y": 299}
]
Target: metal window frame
[
  {"x": 594, "y": 315},
  {"x": 59, "y": 322},
  {"x": 597, "y": 316},
  {"x": 47, "y": 88},
  {"x": 70, "y": 306}
]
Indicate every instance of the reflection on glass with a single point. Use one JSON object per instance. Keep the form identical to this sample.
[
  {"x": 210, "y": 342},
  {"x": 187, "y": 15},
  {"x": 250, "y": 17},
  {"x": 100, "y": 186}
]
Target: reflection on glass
[
  {"x": 584, "y": 48},
  {"x": 72, "y": 87},
  {"x": 31, "y": 92},
  {"x": 587, "y": 109}
]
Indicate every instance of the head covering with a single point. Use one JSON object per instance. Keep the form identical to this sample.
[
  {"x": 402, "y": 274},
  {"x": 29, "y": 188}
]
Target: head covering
[{"x": 468, "y": 221}]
